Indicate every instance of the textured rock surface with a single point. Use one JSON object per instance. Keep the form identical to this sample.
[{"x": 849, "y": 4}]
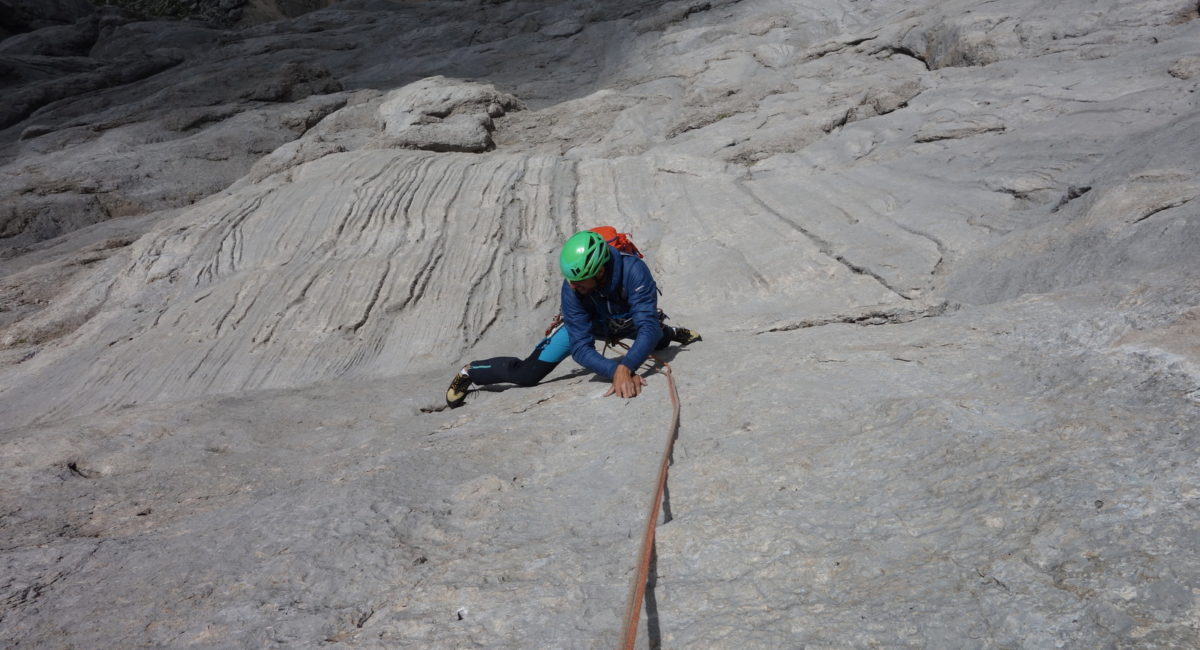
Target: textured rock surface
[
  {"x": 430, "y": 543},
  {"x": 942, "y": 255},
  {"x": 168, "y": 138}
]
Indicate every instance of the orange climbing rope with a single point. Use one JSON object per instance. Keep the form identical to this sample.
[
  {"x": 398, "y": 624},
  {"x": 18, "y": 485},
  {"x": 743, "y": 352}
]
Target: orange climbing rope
[{"x": 637, "y": 591}]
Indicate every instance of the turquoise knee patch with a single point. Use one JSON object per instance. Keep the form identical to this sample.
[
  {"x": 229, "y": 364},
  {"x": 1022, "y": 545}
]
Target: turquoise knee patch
[{"x": 556, "y": 347}]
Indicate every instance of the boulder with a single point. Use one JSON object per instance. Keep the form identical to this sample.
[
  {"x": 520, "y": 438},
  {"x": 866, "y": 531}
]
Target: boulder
[
  {"x": 1186, "y": 67},
  {"x": 440, "y": 114}
]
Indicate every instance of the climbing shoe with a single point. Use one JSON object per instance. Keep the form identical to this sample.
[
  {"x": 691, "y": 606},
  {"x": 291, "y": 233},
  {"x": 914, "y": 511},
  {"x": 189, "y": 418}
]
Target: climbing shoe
[
  {"x": 456, "y": 394},
  {"x": 683, "y": 336}
]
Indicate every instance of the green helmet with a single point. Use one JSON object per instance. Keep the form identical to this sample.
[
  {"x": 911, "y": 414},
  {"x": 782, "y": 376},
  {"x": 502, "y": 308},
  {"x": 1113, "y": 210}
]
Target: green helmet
[{"x": 582, "y": 257}]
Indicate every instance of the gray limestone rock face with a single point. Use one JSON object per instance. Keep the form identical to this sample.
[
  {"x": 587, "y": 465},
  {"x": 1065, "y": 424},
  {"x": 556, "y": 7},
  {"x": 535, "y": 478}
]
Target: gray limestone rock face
[
  {"x": 141, "y": 38},
  {"x": 27, "y": 99},
  {"x": 58, "y": 40},
  {"x": 139, "y": 72},
  {"x": 252, "y": 12},
  {"x": 19, "y": 16},
  {"x": 942, "y": 256}
]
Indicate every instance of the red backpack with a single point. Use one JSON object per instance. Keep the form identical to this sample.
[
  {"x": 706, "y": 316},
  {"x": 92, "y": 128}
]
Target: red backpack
[{"x": 618, "y": 240}]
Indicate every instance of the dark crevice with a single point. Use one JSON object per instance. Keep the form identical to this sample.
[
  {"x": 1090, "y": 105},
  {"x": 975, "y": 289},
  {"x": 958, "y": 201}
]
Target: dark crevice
[
  {"x": 33, "y": 592},
  {"x": 824, "y": 246},
  {"x": 884, "y": 111},
  {"x": 279, "y": 317},
  {"x": 695, "y": 9},
  {"x": 416, "y": 289},
  {"x": 862, "y": 270},
  {"x": 74, "y": 468},
  {"x": 1016, "y": 194},
  {"x": 678, "y": 16},
  {"x": 859, "y": 41},
  {"x": 1173, "y": 204},
  {"x": 374, "y": 298},
  {"x": 976, "y": 220},
  {"x": 904, "y": 51},
  {"x": 1073, "y": 193},
  {"x": 833, "y": 47},
  {"x": 696, "y": 124},
  {"x": 943, "y": 251},
  {"x": 870, "y": 317},
  {"x": 200, "y": 120},
  {"x": 199, "y": 365},
  {"x": 224, "y": 317}
]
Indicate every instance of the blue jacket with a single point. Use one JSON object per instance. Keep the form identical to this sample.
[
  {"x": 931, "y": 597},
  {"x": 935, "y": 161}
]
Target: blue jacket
[{"x": 628, "y": 291}]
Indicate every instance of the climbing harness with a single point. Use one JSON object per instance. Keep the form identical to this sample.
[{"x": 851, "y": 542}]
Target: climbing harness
[{"x": 554, "y": 323}]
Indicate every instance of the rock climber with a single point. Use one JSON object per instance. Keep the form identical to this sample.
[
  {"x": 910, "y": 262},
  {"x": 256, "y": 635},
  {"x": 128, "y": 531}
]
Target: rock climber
[{"x": 608, "y": 294}]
